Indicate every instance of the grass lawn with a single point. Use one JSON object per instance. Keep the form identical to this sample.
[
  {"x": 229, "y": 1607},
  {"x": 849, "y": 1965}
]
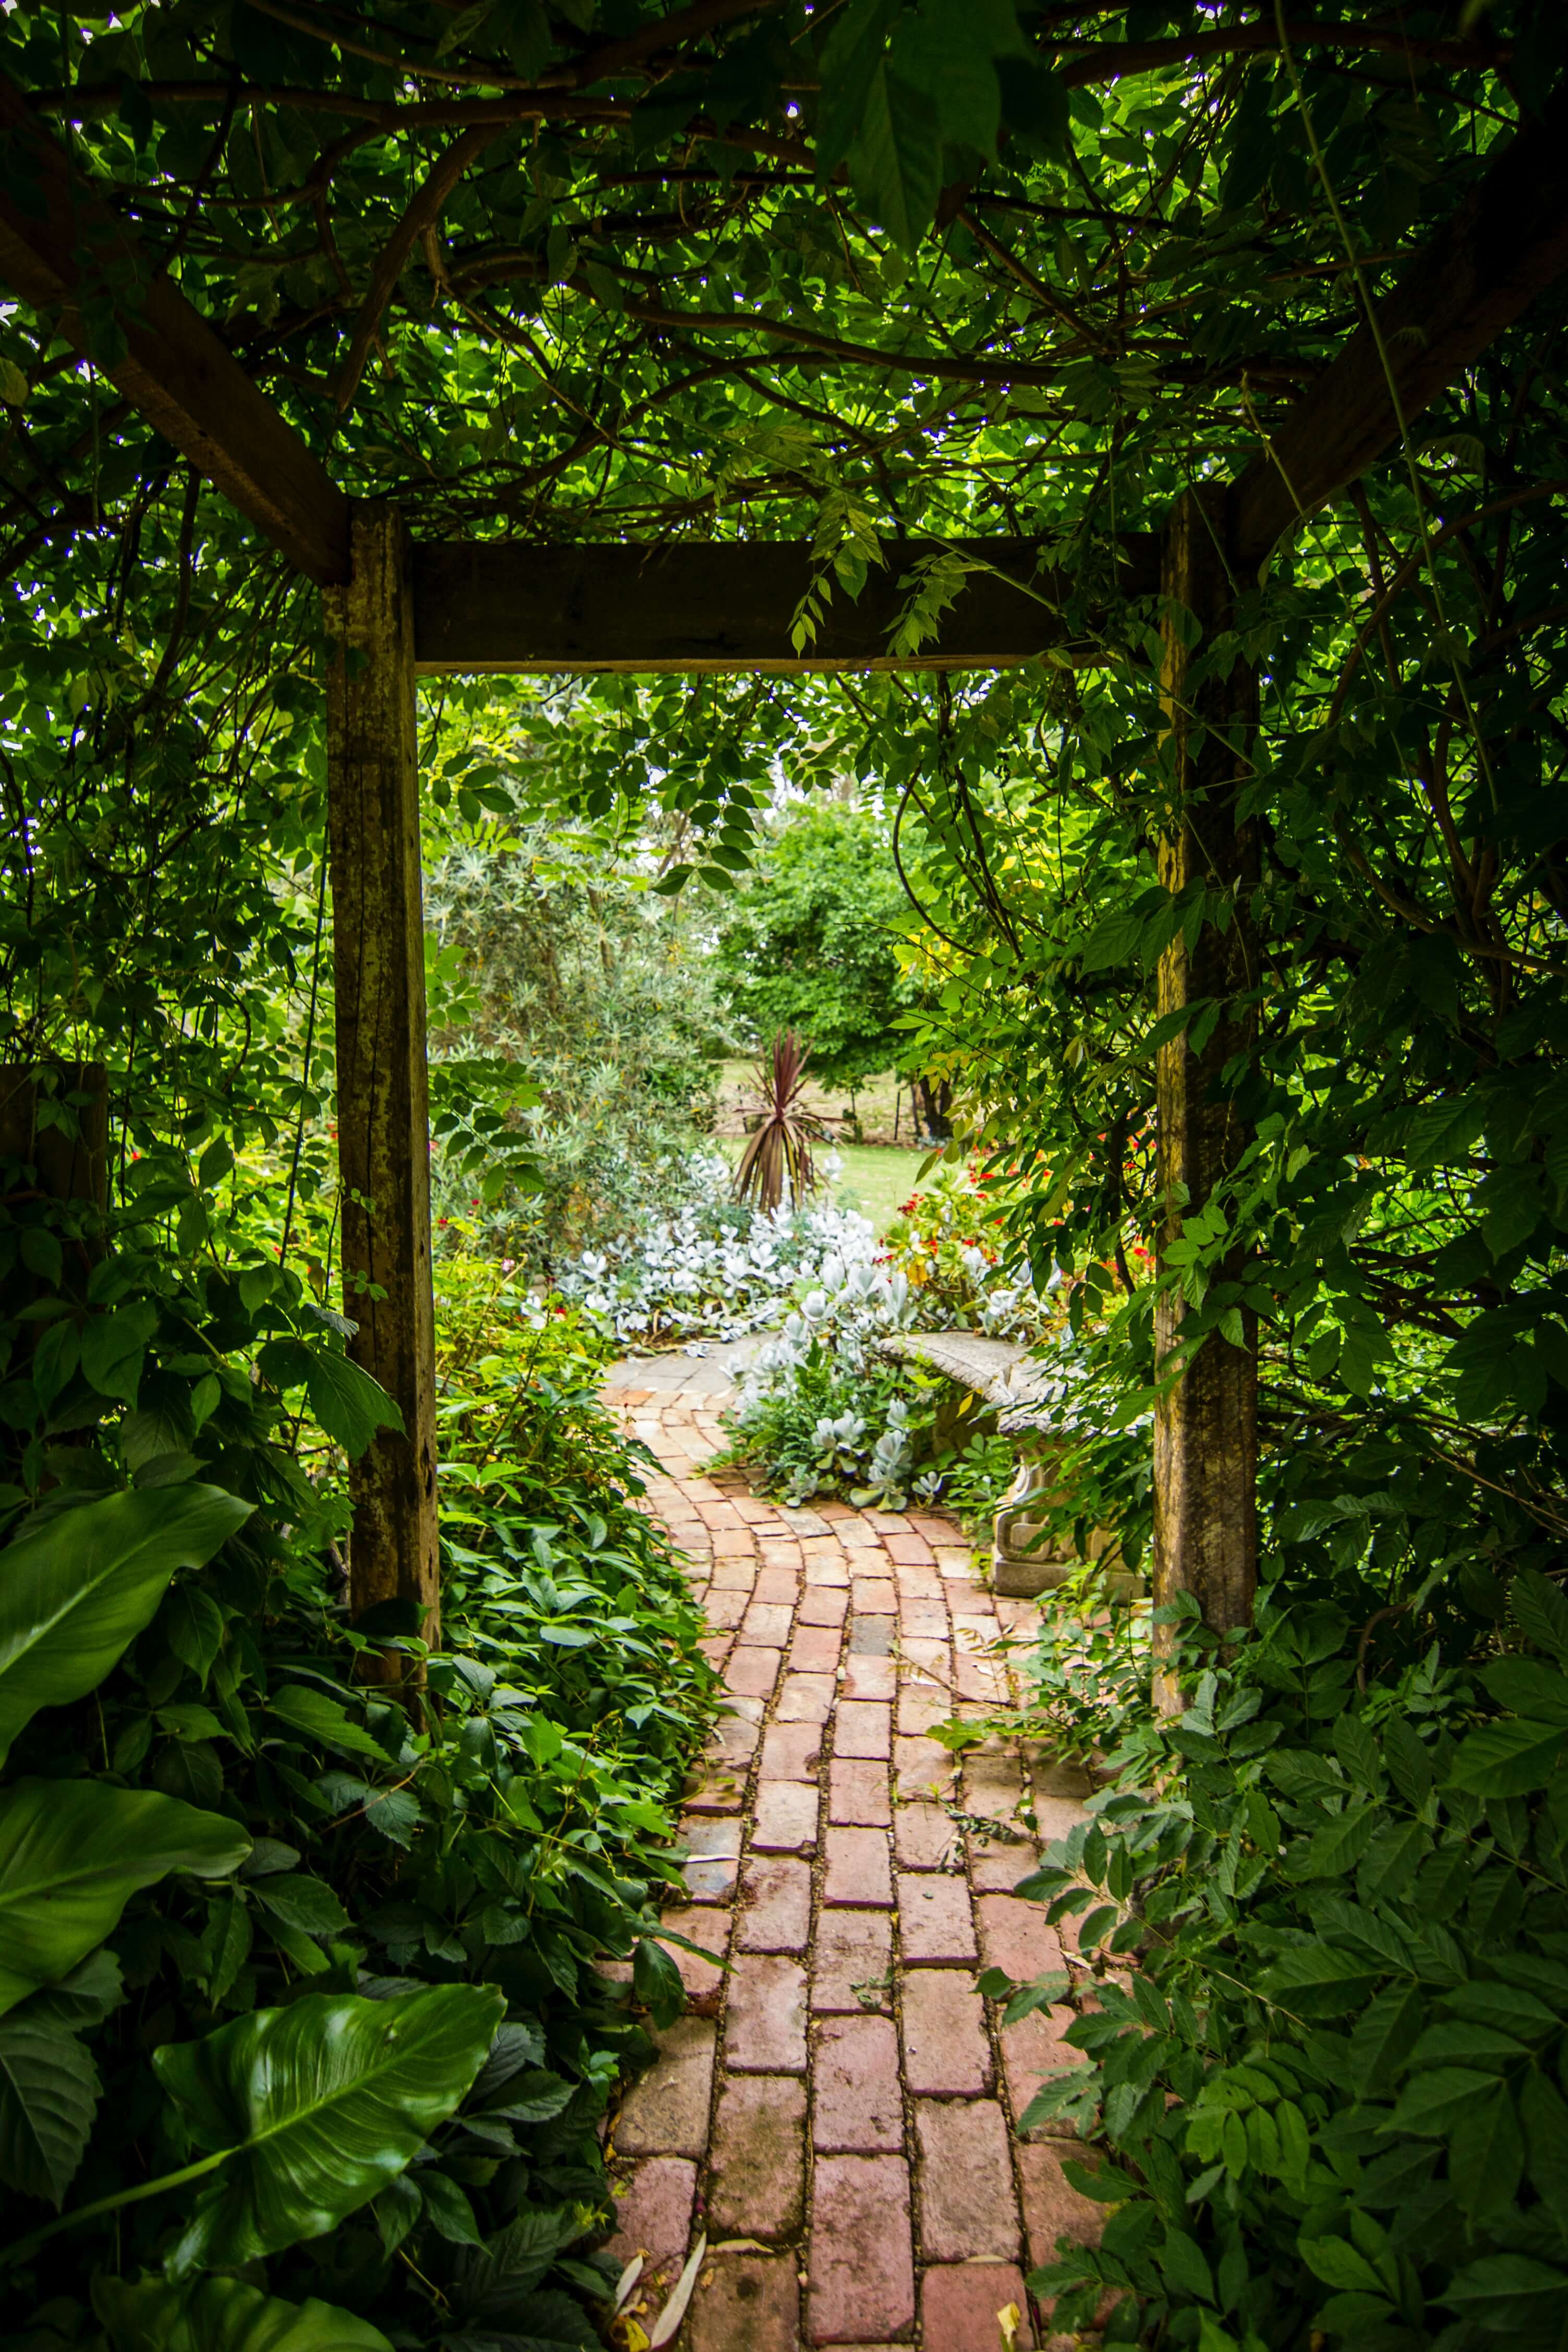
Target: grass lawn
[{"x": 876, "y": 1178}]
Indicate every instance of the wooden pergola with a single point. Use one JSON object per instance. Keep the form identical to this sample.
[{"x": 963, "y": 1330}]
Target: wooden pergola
[{"x": 398, "y": 609}]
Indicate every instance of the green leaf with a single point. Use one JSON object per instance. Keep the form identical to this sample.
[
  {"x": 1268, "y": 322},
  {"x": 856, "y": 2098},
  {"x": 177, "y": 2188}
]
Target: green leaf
[
  {"x": 849, "y": 64},
  {"x": 350, "y": 1405},
  {"x": 511, "y": 2264},
  {"x": 316, "y": 2107},
  {"x": 1540, "y": 1612},
  {"x": 1544, "y": 2115},
  {"x": 1529, "y": 1686},
  {"x": 77, "y": 1591},
  {"x": 946, "y": 54},
  {"x": 448, "y": 2208},
  {"x": 225, "y": 1946},
  {"x": 112, "y": 1347},
  {"x": 84, "y": 1998},
  {"x": 224, "y": 2315},
  {"x": 1486, "y": 2157},
  {"x": 1315, "y": 1980},
  {"x": 1112, "y": 942},
  {"x": 1336, "y": 1850},
  {"x": 1508, "y": 2291},
  {"x": 193, "y": 1625},
  {"x": 533, "y": 2097},
  {"x": 896, "y": 160},
  {"x": 72, "y": 1854},
  {"x": 1505, "y": 2008},
  {"x": 1508, "y": 1760},
  {"x": 1181, "y": 2261},
  {"x": 322, "y": 1718},
  {"x": 1338, "y": 2265},
  {"x": 1385, "y": 2036},
  {"x": 551, "y": 2322},
  {"x": 48, "y": 2095},
  {"x": 1434, "y": 2103},
  {"x": 302, "y": 1901},
  {"x": 657, "y": 1982}
]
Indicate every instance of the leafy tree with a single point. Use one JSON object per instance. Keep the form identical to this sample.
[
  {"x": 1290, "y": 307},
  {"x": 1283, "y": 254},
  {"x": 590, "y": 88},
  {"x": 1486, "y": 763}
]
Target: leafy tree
[
  {"x": 811, "y": 942},
  {"x": 598, "y": 994}
]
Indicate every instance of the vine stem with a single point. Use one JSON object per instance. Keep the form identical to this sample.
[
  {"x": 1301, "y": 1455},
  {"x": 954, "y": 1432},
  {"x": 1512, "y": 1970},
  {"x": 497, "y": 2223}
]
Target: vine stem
[
  {"x": 1352, "y": 257},
  {"x": 26, "y": 2248},
  {"x": 305, "y": 1069}
]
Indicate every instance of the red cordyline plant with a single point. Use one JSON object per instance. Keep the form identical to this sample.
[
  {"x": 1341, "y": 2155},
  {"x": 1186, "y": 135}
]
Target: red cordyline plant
[{"x": 778, "y": 1150}]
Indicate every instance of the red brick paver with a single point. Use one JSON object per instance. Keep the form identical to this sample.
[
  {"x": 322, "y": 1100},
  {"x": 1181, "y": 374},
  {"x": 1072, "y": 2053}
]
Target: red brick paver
[
  {"x": 838, "y": 2108},
  {"x": 861, "y": 2274},
  {"x": 858, "y": 2101},
  {"x": 747, "y": 2302},
  {"x": 958, "y": 2306},
  {"x": 757, "y": 2157}
]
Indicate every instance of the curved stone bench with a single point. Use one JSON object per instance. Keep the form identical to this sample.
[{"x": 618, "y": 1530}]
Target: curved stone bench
[{"x": 1012, "y": 1390}]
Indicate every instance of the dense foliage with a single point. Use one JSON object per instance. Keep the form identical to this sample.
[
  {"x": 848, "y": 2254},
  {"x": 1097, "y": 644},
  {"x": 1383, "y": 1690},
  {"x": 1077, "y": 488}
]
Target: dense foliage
[
  {"x": 213, "y": 1845},
  {"x": 1331, "y": 2090}
]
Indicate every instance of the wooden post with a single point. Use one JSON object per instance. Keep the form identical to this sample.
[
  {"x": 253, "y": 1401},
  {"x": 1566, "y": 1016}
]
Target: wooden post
[
  {"x": 383, "y": 1122},
  {"x": 1206, "y": 1428},
  {"x": 71, "y": 1166}
]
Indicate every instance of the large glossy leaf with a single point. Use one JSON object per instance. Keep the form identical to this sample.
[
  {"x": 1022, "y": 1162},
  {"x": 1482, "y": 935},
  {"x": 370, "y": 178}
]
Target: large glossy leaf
[
  {"x": 319, "y": 2106},
  {"x": 75, "y": 1591},
  {"x": 224, "y": 2315},
  {"x": 48, "y": 2095},
  {"x": 72, "y": 1854}
]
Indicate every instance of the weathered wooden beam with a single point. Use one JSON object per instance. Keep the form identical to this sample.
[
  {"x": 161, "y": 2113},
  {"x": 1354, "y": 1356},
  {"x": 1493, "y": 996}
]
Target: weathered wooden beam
[
  {"x": 64, "y": 251},
  {"x": 506, "y": 605},
  {"x": 1205, "y": 1424},
  {"x": 383, "y": 1100},
  {"x": 1506, "y": 242}
]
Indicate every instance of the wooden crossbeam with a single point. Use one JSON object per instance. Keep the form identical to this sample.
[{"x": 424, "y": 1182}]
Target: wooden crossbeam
[
  {"x": 1506, "y": 243},
  {"x": 693, "y": 605},
  {"x": 64, "y": 251}
]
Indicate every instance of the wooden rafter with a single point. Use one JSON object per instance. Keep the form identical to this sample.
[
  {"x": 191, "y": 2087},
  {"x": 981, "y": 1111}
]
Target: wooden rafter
[{"x": 58, "y": 244}]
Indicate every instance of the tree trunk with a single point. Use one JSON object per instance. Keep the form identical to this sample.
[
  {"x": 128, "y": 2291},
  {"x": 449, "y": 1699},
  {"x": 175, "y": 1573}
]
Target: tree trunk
[
  {"x": 935, "y": 1102},
  {"x": 1205, "y": 1430},
  {"x": 384, "y": 1120}
]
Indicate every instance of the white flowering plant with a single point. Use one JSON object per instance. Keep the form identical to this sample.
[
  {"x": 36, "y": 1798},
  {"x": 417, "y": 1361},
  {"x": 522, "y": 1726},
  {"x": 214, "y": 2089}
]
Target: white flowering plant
[
  {"x": 823, "y": 1410},
  {"x": 712, "y": 1267}
]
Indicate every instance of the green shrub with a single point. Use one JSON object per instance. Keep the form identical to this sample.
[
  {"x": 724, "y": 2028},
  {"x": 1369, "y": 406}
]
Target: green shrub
[
  {"x": 232, "y": 1876},
  {"x": 1322, "y": 1997}
]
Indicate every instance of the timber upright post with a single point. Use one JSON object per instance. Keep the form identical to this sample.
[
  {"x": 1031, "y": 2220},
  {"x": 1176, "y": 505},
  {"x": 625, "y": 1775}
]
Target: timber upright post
[
  {"x": 383, "y": 1122},
  {"x": 1205, "y": 1424}
]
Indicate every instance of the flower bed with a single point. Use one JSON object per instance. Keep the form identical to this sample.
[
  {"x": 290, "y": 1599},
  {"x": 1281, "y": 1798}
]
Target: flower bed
[
  {"x": 712, "y": 1267},
  {"x": 823, "y": 1410}
]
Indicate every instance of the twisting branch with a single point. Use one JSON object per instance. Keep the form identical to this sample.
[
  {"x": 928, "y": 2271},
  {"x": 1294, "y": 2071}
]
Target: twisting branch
[{"x": 422, "y": 212}]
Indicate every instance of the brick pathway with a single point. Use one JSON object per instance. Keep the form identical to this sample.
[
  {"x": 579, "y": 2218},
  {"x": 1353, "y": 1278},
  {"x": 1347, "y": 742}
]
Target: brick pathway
[{"x": 836, "y": 2108}]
